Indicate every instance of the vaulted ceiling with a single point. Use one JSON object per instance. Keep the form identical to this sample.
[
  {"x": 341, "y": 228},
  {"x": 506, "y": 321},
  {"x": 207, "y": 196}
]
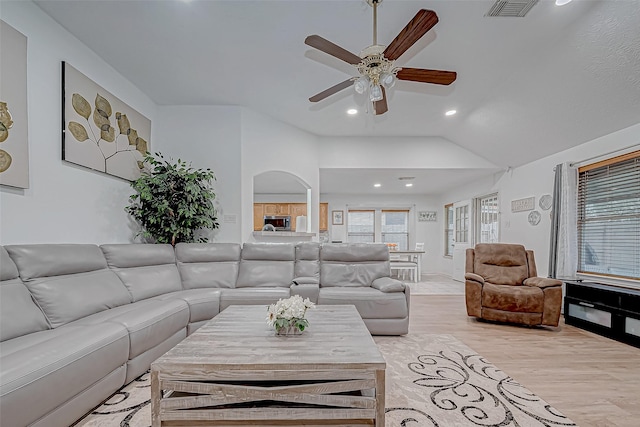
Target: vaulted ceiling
[{"x": 527, "y": 86}]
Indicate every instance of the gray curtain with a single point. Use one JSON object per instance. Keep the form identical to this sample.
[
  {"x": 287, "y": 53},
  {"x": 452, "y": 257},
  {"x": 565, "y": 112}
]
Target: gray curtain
[
  {"x": 555, "y": 221},
  {"x": 563, "y": 250}
]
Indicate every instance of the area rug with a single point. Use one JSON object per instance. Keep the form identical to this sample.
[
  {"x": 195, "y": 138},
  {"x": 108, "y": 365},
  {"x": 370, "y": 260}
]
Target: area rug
[{"x": 432, "y": 381}]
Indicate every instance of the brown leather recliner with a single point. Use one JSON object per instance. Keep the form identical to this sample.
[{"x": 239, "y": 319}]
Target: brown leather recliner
[{"x": 501, "y": 285}]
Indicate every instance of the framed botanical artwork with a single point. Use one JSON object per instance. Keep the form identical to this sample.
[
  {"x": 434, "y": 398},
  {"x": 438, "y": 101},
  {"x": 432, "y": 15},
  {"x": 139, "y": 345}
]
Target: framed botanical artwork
[
  {"x": 337, "y": 217},
  {"x": 100, "y": 131},
  {"x": 14, "y": 142}
]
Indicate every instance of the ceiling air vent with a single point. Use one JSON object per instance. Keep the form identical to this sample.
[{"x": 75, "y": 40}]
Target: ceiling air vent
[{"x": 511, "y": 8}]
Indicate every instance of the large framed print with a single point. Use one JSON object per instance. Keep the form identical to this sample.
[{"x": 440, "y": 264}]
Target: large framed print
[
  {"x": 14, "y": 141},
  {"x": 100, "y": 131}
]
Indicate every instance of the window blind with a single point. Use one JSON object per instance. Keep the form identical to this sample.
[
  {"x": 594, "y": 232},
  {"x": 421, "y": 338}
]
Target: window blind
[{"x": 609, "y": 217}]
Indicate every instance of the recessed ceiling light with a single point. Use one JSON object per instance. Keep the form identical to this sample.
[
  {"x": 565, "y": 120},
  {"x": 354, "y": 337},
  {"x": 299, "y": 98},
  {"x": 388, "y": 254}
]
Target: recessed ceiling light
[
  {"x": 352, "y": 111},
  {"x": 408, "y": 185},
  {"x": 450, "y": 113},
  {"x": 377, "y": 185},
  {"x": 562, "y": 2}
]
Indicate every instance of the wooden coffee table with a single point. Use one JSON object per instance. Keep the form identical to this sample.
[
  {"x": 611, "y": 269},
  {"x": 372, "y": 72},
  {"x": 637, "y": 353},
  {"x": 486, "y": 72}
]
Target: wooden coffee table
[{"x": 235, "y": 371}]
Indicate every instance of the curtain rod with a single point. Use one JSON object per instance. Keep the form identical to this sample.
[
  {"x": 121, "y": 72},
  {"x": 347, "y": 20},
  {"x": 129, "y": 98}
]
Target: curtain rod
[{"x": 602, "y": 155}]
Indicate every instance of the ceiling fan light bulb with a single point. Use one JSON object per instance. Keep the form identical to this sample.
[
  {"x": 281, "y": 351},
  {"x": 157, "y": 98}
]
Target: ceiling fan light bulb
[
  {"x": 360, "y": 85},
  {"x": 376, "y": 93},
  {"x": 388, "y": 80}
]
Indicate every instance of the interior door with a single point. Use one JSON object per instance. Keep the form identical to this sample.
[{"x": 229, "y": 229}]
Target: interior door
[{"x": 462, "y": 236}]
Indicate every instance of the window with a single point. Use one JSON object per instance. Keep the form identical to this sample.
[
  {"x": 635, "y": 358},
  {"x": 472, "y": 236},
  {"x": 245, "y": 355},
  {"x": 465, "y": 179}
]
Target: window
[
  {"x": 395, "y": 228},
  {"x": 361, "y": 226},
  {"x": 609, "y": 217},
  {"x": 488, "y": 218},
  {"x": 462, "y": 224},
  {"x": 448, "y": 230}
]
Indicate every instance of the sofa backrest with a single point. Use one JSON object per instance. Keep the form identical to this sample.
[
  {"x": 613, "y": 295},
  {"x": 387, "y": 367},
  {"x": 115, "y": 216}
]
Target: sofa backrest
[
  {"x": 266, "y": 265},
  {"x": 145, "y": 269},
  {"x": 501, "y": 263},
  {"x": 307, "y": 261},
  {"x": 68, "y": 281},
  {"x": 353, "y": 264},
  {"x": 19, "y": 314},
  {"x": 208, "y": 265}
]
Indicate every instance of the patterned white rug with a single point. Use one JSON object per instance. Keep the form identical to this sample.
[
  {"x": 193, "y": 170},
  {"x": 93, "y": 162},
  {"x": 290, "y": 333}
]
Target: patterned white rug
[{"x": 432, "y": 381}]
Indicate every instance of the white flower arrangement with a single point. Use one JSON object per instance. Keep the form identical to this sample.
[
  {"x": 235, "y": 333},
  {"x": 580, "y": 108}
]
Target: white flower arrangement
[{"x": 289, "y": 313}]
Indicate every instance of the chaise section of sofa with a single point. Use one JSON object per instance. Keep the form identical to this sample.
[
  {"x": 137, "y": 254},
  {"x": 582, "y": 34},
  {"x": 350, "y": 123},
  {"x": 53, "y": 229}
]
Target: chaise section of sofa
[{"x": 358, "y": 274}]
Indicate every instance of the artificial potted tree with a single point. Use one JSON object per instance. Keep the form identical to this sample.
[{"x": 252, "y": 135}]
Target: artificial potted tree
[{"x": 173, "y": 201}]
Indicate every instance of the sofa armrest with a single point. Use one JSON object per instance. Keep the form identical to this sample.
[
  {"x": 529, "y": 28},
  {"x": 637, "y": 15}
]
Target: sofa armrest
[
  {"x": 541, "y": 282},
  {"x": 474, "y": 277},
  {"x": 387, "y": 285}
]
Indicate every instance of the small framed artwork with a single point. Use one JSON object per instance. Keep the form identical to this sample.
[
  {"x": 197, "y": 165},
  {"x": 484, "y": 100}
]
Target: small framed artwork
[
  {"x": 337, "y": 217},
  {"x": 427, "y": 216}
]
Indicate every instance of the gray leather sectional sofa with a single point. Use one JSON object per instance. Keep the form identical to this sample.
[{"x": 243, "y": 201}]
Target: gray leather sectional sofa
[{"x": 79, "y": 321}]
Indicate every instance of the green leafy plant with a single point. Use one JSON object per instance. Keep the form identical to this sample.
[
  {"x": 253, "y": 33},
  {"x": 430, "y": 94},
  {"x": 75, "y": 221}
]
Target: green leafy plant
[{"x": 173, "y": 201}]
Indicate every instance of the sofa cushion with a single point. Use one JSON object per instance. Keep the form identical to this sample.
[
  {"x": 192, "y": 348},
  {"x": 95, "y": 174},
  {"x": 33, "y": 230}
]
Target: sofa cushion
[
  {"x": 256, "y": 296},
  {"x": 68, "y": 281},
  {"x": 19, "y": 314},
  {"x": 43, "y": 370},
  {"x": 513, "y": 298},
  {"x": 47, "y": 260},
  {"x": 266, "y": 265},
  {"x": 146, "y": 270},
  {"x": 148, "y": 322},
  {"x": 204, "y": 304},
  {"x": 371, "y": 303},
  {"x": 353, "y": 264},
  {"x": 501, "y": 263},
  {"x": 208, "y": 265},
  {"x": 307, "y": 260}
]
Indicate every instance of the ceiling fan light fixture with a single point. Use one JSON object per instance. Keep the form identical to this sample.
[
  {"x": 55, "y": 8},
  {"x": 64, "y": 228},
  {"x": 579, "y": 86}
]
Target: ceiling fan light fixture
[
  {"x": 360, "y": 85},
  {"x": 388, "y": 80},
  {"x": 375, "y": 94}
]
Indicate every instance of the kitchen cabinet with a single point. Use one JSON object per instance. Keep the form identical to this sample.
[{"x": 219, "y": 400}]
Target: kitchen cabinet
[
  {"x": 258, "y": 216},
  {"x": 324, "y": 216},
  {"x": 272, "y": 209},
  {"x": 260, "y": 210}
]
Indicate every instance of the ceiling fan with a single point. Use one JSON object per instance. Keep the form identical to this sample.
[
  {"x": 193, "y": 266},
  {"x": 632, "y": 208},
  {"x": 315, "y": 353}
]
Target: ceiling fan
[{"x": 376, "y": 63}]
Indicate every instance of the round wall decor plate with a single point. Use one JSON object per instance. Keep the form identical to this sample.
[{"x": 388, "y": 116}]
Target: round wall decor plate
[
  {"x": 545, "y": 202},
  {"x": 534, "y": 217}
]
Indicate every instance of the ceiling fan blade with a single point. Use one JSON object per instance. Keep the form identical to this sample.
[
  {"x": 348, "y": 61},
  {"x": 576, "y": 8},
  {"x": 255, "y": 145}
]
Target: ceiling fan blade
[
  {"x": 332, "y": 49},
  {"x": 333, "y": 89},
  {"x": 380, "y": 107},
  {"x": 427, "y": 76},
  {"x": 411, "y": 33}
]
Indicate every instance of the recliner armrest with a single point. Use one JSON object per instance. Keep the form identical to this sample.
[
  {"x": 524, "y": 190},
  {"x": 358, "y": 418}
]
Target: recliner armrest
[
  {"x": 541, "y": 282},
  {"x": 474, "y": 277},
  {"x": 387, "y": 284}
]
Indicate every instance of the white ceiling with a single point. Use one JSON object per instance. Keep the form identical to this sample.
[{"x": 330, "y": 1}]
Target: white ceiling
[{"x": 526, "y": 88}]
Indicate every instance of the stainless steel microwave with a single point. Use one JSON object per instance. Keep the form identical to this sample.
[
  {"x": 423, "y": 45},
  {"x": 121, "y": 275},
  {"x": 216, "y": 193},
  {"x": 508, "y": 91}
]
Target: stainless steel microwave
[{"x": 279, "y": 222}]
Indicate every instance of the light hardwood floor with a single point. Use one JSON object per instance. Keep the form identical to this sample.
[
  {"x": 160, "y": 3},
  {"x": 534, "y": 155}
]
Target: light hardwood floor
[{"x": 593, "y": 380}]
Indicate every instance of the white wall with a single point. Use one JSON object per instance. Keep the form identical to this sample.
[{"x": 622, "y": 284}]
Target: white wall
[
  {"x": 431, "y": 233},
  {"x": 65, "y": 203},
  {"x": 401, "y": 152},
  {"x": 270, "y": 145},
  {"x": 207, "y": 137},
  {"x": 536, "y": 179}
]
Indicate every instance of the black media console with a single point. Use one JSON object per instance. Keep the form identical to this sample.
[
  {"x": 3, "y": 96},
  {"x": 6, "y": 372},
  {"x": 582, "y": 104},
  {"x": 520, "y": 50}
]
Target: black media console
[{"x": 611, "y": 311}]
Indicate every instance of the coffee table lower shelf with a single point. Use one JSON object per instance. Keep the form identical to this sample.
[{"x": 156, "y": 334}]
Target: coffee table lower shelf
[{"x": 283, "y": 398}]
